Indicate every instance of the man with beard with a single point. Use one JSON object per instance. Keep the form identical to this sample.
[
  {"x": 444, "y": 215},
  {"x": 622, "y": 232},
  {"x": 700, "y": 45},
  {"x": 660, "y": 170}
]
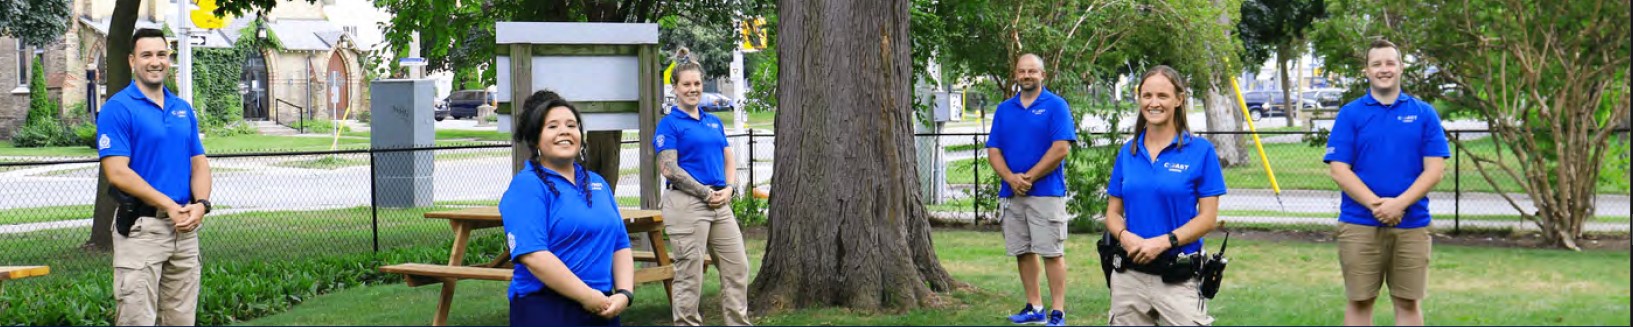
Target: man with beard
[
  {"x": 149, "y": 144},
  {"x": 1031, "y": 133}
]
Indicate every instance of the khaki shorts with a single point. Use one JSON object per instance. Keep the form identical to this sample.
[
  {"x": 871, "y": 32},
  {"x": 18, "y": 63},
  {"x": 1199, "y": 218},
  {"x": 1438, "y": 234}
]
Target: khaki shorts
[
  {"x": 1035, "y": 225},
  {"x": 1372, "y": 255},
  {"x": 1141, "y": 299}
]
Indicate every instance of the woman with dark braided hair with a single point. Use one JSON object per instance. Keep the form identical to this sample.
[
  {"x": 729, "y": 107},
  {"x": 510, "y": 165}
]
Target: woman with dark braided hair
[{"x": 573, "y": 262}]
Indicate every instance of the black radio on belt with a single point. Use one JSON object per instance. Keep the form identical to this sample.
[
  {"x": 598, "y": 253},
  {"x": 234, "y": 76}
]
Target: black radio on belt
[{"x": 1213, "y": 270}]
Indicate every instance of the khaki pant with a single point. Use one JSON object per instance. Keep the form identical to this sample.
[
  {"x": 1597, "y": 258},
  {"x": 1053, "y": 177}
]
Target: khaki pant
[
  {"x": 155, "y": 274},
  {"x": 1371, "y": 255},
  {"x": 694, "y": 228},
  {"x": 1035, "y": 224},
  {"x": 1143, "y": 299}
]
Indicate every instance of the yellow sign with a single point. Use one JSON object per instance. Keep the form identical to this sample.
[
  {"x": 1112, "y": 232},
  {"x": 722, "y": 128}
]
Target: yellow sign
[
  {"x": 753, "y": 34},
  {"x": 204, "y": 17}
]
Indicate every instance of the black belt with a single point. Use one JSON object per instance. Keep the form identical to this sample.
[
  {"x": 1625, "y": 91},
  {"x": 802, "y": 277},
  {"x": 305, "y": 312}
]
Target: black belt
[{"x": 713, "y": 187}]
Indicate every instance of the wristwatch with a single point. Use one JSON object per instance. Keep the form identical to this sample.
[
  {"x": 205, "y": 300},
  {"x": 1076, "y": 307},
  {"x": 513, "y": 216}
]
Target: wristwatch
[
  {"x": 206, "y": 203},
  {"x": 627, "y": 294},
  {"x": 1173, "y": 241}
]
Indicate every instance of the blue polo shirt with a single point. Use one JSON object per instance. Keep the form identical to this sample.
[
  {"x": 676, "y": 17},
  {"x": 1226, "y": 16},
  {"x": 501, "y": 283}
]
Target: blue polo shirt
[
  {"x": 1385, "y": 146},
  {"x": 1159, "y": 197},
  {"x": 1023, "y": 134},
  {"x": 160, "y": 141},
  {"x": 700, "y": 144},
  {"x": 582, "y": 236}
]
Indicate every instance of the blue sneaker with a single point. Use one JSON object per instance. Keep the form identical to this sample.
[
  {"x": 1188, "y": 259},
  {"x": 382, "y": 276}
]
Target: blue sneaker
[
  {"x": 1057, "y": 318},
  {"x": 1028, "y": 315}
]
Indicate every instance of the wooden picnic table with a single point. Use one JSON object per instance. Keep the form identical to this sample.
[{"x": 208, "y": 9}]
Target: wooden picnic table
[
  {"x": 19, "y": 272},
  {"x": 463, "y": 221}
]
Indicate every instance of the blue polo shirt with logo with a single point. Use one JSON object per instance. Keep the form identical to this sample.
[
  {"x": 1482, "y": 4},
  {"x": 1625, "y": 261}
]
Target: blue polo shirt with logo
[
  {"x": 700, "y": 144},
  {"x": 581, "y": 235},
  {"x": 1160, "y": 196},
  {"x": 1023, "y": 134},
  {"x": 1385, "y": 146},
  {"x": 160, "y": 141}
]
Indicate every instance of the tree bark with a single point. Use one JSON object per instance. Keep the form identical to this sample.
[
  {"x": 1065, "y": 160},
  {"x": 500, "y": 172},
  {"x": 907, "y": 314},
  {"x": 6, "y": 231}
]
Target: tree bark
[
  {"x": 1224, "y": 116},
  {"x": 848, "y": 228},
  {"x": 601, "y": 154},
  {"x": 1288, "y": 110},
  {"x": 119, "y": 33}
]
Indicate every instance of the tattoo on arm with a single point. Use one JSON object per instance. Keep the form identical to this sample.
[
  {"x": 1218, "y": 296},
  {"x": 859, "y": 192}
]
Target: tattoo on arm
[{"x": 679, "y": 177}]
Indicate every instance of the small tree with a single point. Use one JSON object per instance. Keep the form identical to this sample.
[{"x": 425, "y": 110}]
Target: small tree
[{"x": 42, "y": 127}]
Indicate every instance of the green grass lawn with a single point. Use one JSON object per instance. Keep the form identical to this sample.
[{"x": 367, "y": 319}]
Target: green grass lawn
[
  {"x": 756, "y": 120},
  {"x": 1269, "y": 283},
  {"x": 6, "y": 149},
  {"x": 44, "y": 214},
  {"x": 1299, "y": 167},
  {"x": 1329, "y": 216}
]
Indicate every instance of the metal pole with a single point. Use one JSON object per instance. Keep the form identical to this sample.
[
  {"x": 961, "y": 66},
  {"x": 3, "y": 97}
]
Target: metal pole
[
  {"x": 753, "y": 203},
  {"x": 1457, "y": 187},
  {"x": 374, "y": 200},
  {"x": 976, "y": 196}
]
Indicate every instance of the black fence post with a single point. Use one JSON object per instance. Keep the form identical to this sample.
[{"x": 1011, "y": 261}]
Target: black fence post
[
  {"x": 374, "y": 199},
  {"x": 753, "y": 202},
  {"x": 1457, "y": 186},
  {"x": 975, "y": 193}
]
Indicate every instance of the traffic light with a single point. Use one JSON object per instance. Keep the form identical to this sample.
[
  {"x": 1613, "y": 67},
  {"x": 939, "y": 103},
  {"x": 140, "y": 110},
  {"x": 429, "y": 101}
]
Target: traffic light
[{"x": 753, "y": 32}]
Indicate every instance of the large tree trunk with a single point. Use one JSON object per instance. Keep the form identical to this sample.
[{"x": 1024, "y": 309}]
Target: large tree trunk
[
  {"x": 847, "y": 226},
  {"x": 1224, "y": 116},
  {"x": 119, "y": 33}
]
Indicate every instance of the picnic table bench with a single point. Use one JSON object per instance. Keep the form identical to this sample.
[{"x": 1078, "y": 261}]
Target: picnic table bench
[
  {"x": 463, "y": 221},
  {"x": 19, "y": 272}
]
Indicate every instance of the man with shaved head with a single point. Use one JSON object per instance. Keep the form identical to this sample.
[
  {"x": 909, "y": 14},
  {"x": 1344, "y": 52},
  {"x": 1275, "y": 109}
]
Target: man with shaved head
[{"x": 1031, "y": 134}]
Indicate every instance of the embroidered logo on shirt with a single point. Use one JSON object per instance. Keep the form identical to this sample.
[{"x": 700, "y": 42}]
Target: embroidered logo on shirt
[
  {"x": 179, "y": 113},
  {"x": 660, "y": 141},
  {"x": 510, "y": 240},
  {"x": 1176, "y": 167},
  {"x": 1407, "y": 118},
  {"x": 1332, "y": 150},
  {"x": 1038, "y": 111},
  {"x": 714, "y": 125},
  {"x": 595, "y": 186},
  {"x": 104, "y": 143}
]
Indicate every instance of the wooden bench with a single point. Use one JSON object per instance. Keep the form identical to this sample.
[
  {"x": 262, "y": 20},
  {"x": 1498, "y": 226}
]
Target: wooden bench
[
  {"x": 420, "y": 274},
  {"x": 640, "y": 222},
  {"x": 19, "y": 272}
]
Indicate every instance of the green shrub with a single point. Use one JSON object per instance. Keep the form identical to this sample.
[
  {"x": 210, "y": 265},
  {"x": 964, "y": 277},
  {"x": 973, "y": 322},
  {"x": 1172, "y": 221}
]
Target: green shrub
[
  {"x": 750, "y": 211},
  {"x": 232, "y": 291},
  {"x": 1088, "y": 168},
  {"x": 315, "y": 126},
  {"x": 41, "y": 134},
  {"x": 85, "y": 133}
]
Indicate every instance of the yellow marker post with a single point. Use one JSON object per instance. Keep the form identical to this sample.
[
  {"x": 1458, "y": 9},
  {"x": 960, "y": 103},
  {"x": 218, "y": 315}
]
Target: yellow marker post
[{"x": 1242, "y": 103}]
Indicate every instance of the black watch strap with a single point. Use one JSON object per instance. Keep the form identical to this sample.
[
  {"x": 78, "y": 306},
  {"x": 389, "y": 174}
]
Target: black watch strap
[
  {"x": 206, "y": 203},
  {"x": 626, "y": 293},
  {"x": 1173, "y": 241}
]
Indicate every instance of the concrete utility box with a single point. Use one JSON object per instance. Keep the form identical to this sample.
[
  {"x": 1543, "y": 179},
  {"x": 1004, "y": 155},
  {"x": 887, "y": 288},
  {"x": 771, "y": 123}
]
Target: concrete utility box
[
  {"x": 608, "y": 70},
  {"x": 403, "y": 119}
]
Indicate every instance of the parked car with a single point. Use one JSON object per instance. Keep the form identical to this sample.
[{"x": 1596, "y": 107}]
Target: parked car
[
  {"x": 715, "y": 102},
  {"x": 462, "y": 104},
  {"x": 1326, "y": 98},
  {"x": 440, "y": 109},
  {"x": 1257, "y": 104}
]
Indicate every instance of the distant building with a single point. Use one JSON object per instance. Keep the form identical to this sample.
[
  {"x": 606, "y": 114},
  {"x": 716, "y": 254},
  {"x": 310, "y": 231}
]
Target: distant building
[{"x": 281, "y": 85}]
